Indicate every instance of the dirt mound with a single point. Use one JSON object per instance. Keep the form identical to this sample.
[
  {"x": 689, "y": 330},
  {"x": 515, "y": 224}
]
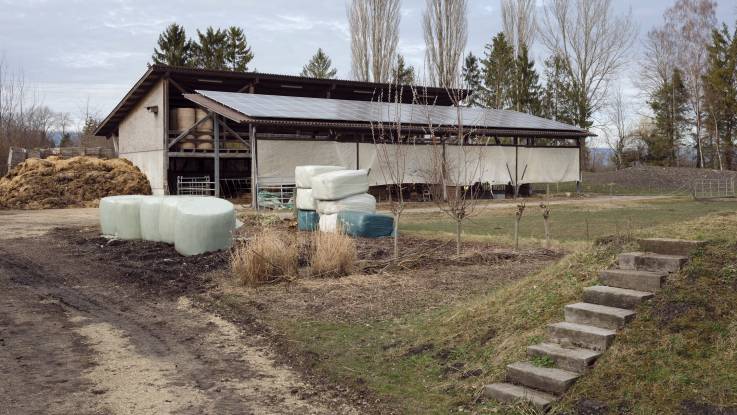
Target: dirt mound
[
  {"x": 75, "y": 182},
  {"x": 655, "y": 178}
]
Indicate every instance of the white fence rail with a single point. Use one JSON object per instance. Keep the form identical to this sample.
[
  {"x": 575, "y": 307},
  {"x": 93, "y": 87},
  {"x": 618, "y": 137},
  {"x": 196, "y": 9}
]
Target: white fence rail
[{"x": 714, "y": 188}]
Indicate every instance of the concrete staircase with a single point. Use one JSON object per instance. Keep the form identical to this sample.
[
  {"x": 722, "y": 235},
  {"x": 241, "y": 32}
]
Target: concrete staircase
[{"x": 590, "y": 327}]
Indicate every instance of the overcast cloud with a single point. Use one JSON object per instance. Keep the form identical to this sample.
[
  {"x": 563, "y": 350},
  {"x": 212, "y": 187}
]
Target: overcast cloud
[{"x": 72, "y": 50}]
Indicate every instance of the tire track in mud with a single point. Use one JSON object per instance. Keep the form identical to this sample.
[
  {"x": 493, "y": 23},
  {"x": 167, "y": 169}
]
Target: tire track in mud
[{"x": 137, "y": 354}]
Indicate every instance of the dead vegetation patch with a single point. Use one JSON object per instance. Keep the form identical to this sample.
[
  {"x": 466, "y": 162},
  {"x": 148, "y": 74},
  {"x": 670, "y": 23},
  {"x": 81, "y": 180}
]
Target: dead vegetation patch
[
  {"x": 76, "y": 182},
  {"x": 268, "y": 257},
  {"x": 332, "y": 255}
]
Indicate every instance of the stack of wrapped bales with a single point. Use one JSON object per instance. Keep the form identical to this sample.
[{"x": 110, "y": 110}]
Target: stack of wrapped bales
[
  {"x": 343, "y": 204},
  {"x": 307, "y": 216}
]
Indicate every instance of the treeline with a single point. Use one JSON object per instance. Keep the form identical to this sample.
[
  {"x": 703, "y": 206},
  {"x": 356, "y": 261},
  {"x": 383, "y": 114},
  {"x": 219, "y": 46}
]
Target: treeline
[{"x": 217, "y": 49}]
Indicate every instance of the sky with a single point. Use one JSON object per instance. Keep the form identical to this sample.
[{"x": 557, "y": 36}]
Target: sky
[{"x": 78, "y": 51}]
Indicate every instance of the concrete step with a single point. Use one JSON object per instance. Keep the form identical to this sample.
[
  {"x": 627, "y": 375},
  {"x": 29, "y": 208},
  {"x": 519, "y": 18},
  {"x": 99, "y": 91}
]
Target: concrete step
[
  {"x": 615, "y": 297},
  {"x": 650, "y": 261},
  {"x": 574, "y": 359},
  {"x": 633, "y": 280},
  {"x": 581, "y": 335},
  {"x": 546, "y": 379},
  {"x": 598, "y": 315},
  {"x": 509, "y": 393},
  {"x": 668, "y": 246}
]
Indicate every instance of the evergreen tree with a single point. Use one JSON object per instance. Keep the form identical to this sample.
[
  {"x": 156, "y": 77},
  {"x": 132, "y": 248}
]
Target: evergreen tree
[
  {"x": 556, "y": 104},
  {"x": 320, "y": 66},
  {"x": 526, "y": 88},
  {"x": 237, "y": 52},
  {"x": 670, "y": 105},
  {"x": 498, "y": 69},
  {"x": 210, "y": 49},
  {"x": 173, "y": 47},
  {"x": 402, "y": 73},
  {"x": 720, "y": 82},
  {"x": 472, "y": 80}
]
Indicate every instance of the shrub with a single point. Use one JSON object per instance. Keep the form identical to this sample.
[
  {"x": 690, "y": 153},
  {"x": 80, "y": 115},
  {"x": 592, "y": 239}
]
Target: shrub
[
  {"x": 332, "y": 255},
  {"x": 268, "y": 257}
]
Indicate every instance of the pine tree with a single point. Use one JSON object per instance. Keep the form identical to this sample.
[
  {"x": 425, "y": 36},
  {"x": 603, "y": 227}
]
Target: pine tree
[
  {"x": 720, "y": 96},
  {"x": 556, "y": 104},
  {"x": 526, "y": 88},
  {"x": 237, "y": 52},
  {"x": 173, "y": 47},
  {"x": 210, "y": 49},
  {"x": 403, "y": 74},
  {"x": 498, "y": 70},
  {"x": 319, "y": 66},
  {"x": 670, "y": 105},
  {"x": 472, "y": 80}
]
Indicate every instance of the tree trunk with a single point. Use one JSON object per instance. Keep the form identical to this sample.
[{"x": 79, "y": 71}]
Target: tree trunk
[
  {"x": 396, "y": 236},
  {"x": 699, "y": 148},
  {"x": 547, "y": 233},
  {"x": 516, "y": 234},
  {"x": 459, "y": 224}
]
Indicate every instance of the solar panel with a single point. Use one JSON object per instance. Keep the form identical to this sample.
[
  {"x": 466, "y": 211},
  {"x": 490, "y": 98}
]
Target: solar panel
[{"x": 323, "y": 109}]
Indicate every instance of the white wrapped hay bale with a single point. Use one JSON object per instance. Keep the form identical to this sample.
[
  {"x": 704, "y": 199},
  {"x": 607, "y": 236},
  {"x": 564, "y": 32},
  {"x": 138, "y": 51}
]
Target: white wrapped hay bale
[
  {"x": 203, "y": 225},
  {"x": 328, "y": 223},
  {"x": 127, "y": 216},
  {"x": 363, "y": 202},
  {"x": 168, "y": 216},
  {"x": 339, "y": 184},
  {"x": 305, "y": 201},
  {"x": 150, "y": 217},
  {"x": 107, "y": 216},
  {"x": 303, "y": 174}
]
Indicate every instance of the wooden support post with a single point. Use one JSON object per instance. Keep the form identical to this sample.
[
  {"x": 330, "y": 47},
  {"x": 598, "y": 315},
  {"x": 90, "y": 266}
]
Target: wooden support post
[
  {"x": 165, "y": 138},
  {"x": 254, "y": 175},
  {"x": 580, "y": 165},
  {"x": 216, "y": 155},
  {"x": 516, "y": 167}
]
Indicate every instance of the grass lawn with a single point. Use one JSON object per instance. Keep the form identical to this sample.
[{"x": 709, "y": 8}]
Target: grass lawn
[{"x": 575, "y": 222}]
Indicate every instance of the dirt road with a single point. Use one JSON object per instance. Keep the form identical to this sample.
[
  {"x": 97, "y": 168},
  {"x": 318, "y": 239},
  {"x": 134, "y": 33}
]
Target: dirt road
[{"x": 77, "y": 340}]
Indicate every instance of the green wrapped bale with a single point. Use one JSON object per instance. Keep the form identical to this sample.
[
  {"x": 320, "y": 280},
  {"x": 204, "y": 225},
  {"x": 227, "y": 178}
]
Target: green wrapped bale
[
  {"x": 307, "y": 220},
  {"x": 366, "y": 225}
]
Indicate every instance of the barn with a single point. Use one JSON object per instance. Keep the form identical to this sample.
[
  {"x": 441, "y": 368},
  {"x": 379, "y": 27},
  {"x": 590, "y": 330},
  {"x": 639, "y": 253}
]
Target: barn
[{"x": 244, "y": 132}]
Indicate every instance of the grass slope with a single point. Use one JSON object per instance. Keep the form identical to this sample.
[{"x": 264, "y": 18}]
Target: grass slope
[{"x": 680, "y": 354}]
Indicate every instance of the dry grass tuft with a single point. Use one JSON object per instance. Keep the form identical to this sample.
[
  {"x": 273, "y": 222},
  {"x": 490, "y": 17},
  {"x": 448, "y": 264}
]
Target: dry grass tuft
[
  {"x": 268, "y": 257},
  {"x": 333, "y": 255}
]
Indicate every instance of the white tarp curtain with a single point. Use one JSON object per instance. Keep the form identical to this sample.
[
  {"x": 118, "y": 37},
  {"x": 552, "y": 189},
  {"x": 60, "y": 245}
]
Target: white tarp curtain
[{"x": 278, "y": 158}]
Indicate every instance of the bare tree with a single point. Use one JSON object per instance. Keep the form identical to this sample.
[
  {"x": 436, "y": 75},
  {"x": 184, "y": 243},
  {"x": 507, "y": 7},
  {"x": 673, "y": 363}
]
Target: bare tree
[
  {"x": 454, "y": 165},
  {"x": 24, "y": 120},
  {"x": 445, "y": 27},
  {"x": 690, "y": 23},
  {"x": 658, "y": 60},
  {"x": 374, "y": 26},
  {"x": 392, "y": 145},
  {"x": 518, "y": 21},
  {"x": 619, "y": 117},
  {"x": 594, "y": 45}
]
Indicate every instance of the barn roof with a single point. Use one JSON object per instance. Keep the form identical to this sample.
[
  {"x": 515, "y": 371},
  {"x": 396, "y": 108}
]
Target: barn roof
[
  {"x": 275, "y": 84},
  {"x": 337, "y": 113}
]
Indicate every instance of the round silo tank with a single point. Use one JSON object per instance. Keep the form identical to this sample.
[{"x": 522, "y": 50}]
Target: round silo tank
[
  {"x": 185, "y": 118},
  {"x": 205, "y": 126},
  {"x": 187, "y": 143},
  {"x": 204, "y": 142}
]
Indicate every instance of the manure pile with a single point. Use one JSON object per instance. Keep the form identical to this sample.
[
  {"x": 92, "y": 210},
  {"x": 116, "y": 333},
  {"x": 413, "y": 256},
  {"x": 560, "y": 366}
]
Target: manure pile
[{"x": 75, "y": 182}]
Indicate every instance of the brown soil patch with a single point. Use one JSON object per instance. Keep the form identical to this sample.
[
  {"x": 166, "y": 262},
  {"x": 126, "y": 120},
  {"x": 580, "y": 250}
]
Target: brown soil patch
[
  {"x": 658, "y": 179},
  {"x": 76, "y": 182}
]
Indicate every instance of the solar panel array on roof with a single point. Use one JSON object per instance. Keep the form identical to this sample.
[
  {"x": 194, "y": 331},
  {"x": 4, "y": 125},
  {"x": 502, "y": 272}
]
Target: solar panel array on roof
[{"x": 322, "y": 109}]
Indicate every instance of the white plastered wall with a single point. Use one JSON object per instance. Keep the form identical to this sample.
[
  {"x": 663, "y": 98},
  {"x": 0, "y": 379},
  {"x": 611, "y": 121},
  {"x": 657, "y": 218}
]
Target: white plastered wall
[
  {"x": 493, "y": 164},
  {"x": 141, "y": 138}
]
